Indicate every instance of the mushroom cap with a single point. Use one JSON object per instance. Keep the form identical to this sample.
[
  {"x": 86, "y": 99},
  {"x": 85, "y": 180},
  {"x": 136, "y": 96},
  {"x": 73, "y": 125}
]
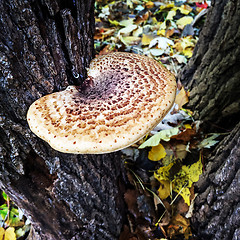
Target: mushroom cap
[{"x": 124, "y": 97}]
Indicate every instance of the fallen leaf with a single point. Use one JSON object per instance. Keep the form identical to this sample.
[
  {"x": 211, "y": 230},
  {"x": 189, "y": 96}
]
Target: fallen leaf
[
  {"x": 157, "y": 153},
  {"x": 163, "y": 173},
  {"x": 130, "y": 40},
  {"x": 156, "y": 51},
  {"x": 164, "y": 189},
  {"x": 10, "y": 234},
  {"x": 179, "y": 225},
  {"x": 181, "y": 22},
  {"x": 182, "y": 98},
  {"x": 181, "y": 151},
  {"x": 114, "y": 22},
  {"x": 127, "y": 30},
  {"x": 202, "y": 5},
  {"x": 184, "y": 179},
  {"x": 188, "y": 52},
  {"x": 161, "y": 32},
  {"x": 125, "y": 23},
  {"x": 162, "y": 135},
  {"x": 149, "y": 4},
  {"x": 169, "y": 32},
  {"x": 146, "y": 39},
  {"x": 2, "y": 231},
  {"x": 208, "y": 142},
  {"x": 171, "y": 14},
  {"x": 161, "y": 42},
  {"x": 180, "y": 58},
  {"x": 185, "y": 9},
  {"x": 186, "y": 135},
  {"x": 142, "y": 18}
]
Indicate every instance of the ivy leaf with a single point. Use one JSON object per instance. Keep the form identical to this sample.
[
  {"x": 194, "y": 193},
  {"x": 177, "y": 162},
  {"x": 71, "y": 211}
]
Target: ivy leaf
[
  {"x": 157, "y": 153},
  {"x": 162, "y": 135}
]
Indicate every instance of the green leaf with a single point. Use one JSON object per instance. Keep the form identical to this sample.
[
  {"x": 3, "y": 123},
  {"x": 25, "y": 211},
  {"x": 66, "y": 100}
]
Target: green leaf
[
  {"x": 4, "y": 211},
  {"x": 5, "y": 196},
  {"x": 14, "y": 220},
  {"x": 162, "y": 135}
]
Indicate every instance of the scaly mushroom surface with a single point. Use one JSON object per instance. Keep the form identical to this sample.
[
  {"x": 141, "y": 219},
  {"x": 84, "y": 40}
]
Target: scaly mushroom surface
[{"x": 124, "y": 97}]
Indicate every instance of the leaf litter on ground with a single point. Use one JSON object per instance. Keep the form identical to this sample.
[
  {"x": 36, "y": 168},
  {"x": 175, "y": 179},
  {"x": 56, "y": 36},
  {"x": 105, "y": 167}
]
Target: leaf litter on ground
[{"x": 168, "y": 32}]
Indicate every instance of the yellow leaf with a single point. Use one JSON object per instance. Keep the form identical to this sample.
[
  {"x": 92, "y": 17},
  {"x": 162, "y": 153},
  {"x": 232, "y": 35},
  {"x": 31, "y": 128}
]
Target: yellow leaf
[
  {"x": 194, "y": 170},
  {"x": 184, "y": 192},
  {"x": 164, "y": 189},
  {"x": 146, "y": 39},
  {"x": 149, "y": 4},
  {"x": 161, "y": 32},
  {"x": 165, "y": 6},
  {"x": 187, "y": 126},
  {"x": 113, "y": 22},
  {"x": 2, "y": 231},
  {"x": 157, "y": 153},
  {"x": 184, "y": 179},
  {"x": 185, "y": 9},
  {"x": 181, "y": 22},
  {"x": 154, "y": 20},
  {"x": 163, "y": 173},
  {"x": 188, "y": 52},
  {"x": 10, "y": 234},
  {"x": 181, "y": 98}
]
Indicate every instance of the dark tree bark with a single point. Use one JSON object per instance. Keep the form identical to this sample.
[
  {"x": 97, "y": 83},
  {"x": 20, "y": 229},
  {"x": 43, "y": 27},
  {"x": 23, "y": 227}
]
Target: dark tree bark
[
  {"x": 45, "y": 46},
  {"x": 212, "y": 76},
  {"x": 217, "y": 207},
  {"x": 213, "y": 72}
]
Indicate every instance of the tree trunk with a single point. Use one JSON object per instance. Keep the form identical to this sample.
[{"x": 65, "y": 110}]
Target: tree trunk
[
  {"x": 212, "y": 76},
  {"x": 213, "y": 72},
  {"x": 217, "y": 206},
  {"x": 44, "y": 47}
]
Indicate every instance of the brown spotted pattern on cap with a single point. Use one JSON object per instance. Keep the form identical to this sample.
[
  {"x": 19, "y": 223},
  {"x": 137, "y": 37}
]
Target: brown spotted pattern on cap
[{"x": 124, "y": 97}]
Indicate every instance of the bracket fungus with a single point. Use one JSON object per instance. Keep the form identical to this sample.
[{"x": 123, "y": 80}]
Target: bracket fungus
[{"x": 124, "y": 97}]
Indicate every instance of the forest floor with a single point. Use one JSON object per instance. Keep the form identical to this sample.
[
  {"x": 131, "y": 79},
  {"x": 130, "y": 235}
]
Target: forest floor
[{"x": 163, "y": 167}]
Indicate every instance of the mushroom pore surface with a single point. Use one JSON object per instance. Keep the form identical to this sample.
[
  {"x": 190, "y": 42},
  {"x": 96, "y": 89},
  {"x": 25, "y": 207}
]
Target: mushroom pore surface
[{"x": 123, "y": 98}]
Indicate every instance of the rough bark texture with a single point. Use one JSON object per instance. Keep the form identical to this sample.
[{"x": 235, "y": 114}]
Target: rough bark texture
[
  {"x": 212, "y": 76},
  {"x": 45, "y": 46},
  {"x": 217, "y": 207},
  {"x": 213, "y": 72}
]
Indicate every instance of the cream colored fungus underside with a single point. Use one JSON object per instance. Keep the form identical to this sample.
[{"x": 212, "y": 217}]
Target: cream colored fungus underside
[{"x": 127, "y": 95}]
